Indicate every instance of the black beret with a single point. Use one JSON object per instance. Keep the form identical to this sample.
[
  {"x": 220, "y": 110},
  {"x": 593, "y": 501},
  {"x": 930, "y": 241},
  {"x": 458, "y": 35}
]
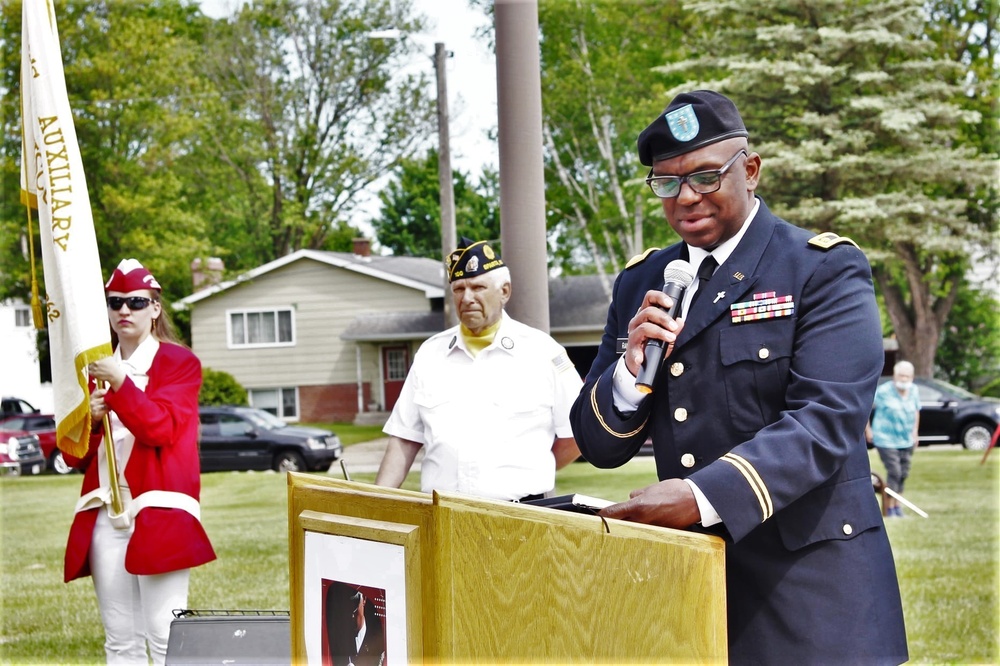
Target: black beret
[
  {"x": 691, "y": 121},
  {"x": 472, "y": 258}
]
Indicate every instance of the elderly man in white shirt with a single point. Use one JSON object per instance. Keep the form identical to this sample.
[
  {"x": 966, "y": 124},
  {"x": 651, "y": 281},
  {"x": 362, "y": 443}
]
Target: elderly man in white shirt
[{"x": 489, "y": 399}]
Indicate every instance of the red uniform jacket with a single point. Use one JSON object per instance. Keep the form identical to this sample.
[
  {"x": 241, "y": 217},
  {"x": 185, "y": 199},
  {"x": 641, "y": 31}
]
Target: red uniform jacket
[{"x": 164, "y": 420}]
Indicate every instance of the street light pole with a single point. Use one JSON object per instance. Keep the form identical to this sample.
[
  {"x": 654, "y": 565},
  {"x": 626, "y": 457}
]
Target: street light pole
[{"x": 447, "y": 190}]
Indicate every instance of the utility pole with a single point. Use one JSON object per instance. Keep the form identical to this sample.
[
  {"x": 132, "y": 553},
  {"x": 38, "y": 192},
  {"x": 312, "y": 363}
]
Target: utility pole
[{"x": 448, "y": 240}]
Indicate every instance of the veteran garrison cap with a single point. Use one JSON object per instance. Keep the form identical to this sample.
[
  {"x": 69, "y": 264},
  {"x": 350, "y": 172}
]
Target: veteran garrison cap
[
  {"x": 691, "y": 121},
  {"x": 472, "y": 258}
]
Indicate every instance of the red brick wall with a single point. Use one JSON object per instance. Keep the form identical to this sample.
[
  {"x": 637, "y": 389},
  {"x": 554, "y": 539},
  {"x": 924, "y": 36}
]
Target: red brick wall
[{"x": 330, "y": 403}]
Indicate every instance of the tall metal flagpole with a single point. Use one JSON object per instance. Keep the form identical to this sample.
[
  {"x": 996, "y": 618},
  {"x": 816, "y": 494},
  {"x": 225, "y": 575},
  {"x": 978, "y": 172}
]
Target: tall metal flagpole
[{"x": 522, "y": 171}]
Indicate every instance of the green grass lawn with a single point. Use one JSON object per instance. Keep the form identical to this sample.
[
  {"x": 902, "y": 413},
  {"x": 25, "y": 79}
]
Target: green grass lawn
[
  {"x": 948, "y": 563},
  {"x": 350, "y": 433}
]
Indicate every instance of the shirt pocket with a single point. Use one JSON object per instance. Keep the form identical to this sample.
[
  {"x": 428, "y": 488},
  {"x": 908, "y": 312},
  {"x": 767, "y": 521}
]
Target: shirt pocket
[
  {"x": 755, "y": 359},
  {"x": 521, "y": 402},
  {"x": 524, "y": 395}
]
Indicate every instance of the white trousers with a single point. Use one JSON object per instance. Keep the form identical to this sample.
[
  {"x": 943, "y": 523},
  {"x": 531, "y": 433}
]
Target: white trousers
[{"x": 135, "y": 610}]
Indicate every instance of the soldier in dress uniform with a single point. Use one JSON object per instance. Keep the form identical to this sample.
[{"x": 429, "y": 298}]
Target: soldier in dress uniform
[
  {"x": 488, "y": 399},
  {"x": 757, "y": 414}
]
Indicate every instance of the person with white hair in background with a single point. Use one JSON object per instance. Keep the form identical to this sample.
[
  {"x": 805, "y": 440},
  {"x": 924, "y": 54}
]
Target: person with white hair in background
[{"x": 893, "y": 430}]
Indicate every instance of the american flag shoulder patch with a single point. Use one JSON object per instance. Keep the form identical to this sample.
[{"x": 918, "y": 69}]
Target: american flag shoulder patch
[{"x": 562, "y": 362}]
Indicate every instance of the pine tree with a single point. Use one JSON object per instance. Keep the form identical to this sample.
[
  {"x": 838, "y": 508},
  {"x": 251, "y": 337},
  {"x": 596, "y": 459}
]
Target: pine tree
[{"x": 859, "y": 124}]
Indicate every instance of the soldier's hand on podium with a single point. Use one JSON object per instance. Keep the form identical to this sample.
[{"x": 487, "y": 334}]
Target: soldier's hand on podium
[{"x": 669, "y": 503}]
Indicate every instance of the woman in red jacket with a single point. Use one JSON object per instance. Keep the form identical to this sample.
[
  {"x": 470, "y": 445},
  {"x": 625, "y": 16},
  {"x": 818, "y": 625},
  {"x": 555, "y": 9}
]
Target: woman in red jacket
[{"x": 140, "y": 559}]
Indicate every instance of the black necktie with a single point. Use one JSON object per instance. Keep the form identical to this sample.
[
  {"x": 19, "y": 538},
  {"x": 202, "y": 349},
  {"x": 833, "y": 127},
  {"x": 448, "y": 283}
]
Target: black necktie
[{"x": 705, "y": 271}]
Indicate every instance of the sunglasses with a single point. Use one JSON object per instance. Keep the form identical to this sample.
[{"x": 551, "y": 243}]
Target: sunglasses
[{"x": 134, "y": 302}]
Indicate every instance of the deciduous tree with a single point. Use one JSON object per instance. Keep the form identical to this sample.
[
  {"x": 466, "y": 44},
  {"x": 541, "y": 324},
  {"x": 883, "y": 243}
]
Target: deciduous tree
[
  {"x": 315, "y": 110},
  {"x": 410, "y": 219},
  {"x": 598, "y": 91},
  {"x": 131, "y": 71}
]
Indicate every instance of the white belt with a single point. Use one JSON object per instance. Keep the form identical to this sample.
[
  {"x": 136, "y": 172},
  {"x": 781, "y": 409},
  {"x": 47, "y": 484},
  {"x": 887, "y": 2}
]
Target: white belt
[{"x": 161, "y": 499}]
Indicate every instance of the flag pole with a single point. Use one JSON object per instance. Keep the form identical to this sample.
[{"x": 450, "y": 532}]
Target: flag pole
[
  {"x": 54, "y": 183},
  {"x": 37, "y": 317},
  {"x": 117, "y": 507}
]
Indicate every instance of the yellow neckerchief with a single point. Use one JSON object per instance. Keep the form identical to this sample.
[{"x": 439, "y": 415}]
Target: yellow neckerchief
[{"x": 477, "y": 343}]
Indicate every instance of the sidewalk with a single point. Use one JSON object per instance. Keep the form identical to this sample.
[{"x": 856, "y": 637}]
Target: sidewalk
[{"x": 364, "y": 458}]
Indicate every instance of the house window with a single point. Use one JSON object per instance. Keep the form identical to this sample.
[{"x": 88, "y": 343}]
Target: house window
[
  {"x": 395, "y": 360},
  {"x": 22, "y": 317},
  {"x": 261, "y": 328},
  {"x": 282, "y": 402}
]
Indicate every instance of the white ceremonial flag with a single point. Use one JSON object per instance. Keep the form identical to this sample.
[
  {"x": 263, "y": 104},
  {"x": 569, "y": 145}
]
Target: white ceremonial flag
[{"x": 53, "y": 182}]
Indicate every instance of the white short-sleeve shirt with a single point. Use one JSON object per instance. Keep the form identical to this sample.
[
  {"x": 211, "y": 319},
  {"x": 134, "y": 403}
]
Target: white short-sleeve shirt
[{"x": 487, "y": 423}]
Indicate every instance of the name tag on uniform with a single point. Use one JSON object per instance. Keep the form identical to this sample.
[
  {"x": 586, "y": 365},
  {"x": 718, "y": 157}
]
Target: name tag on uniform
[{"x": 621, "y": 346}]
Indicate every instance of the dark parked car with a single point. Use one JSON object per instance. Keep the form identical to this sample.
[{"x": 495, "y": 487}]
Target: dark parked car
[
  {"x": 10, "y": 406},
  {"x": 43, "y": 425},
  {"x": 244, "y": 438},
  {"x": 20, "y": 452},
  {"x": 949, "y": 414}
]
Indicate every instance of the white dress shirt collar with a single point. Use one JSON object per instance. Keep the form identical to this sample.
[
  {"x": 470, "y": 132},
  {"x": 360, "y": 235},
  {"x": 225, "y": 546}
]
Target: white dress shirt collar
[
  {"x": 696, "y": 254},
  {"x": 140, "y": 360}
]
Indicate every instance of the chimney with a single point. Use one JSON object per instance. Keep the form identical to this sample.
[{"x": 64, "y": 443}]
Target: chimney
[
  {"x": 206, "y": 273},
  {"x": 362, "y": 247}
]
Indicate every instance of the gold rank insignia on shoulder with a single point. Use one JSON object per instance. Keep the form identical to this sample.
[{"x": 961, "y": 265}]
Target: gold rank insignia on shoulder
[
  {"x": 828, "y": 239},
  {"x": 639, "y": 258}
]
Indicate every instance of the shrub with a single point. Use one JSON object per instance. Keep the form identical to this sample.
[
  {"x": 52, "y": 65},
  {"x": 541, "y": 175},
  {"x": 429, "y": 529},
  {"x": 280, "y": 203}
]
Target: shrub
[
  {"x": 991, "y": 390},
  {"x": 968, "y": 354},
  {"x": 221, "y": 388}
]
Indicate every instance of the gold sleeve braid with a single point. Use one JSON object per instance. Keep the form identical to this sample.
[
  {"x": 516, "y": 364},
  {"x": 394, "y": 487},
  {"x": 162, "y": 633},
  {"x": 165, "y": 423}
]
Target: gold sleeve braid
[
  {"x": 756, "y": 483},
  {"x": 600, "y": 419}
]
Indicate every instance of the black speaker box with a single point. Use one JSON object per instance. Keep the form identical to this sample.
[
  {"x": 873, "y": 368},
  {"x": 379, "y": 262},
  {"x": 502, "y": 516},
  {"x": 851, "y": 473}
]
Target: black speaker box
[{"x": 230, "y": 639}]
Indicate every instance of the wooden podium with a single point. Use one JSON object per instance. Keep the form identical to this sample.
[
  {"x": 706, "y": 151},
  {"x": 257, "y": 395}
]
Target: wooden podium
[{"x": 456, "y": 579}]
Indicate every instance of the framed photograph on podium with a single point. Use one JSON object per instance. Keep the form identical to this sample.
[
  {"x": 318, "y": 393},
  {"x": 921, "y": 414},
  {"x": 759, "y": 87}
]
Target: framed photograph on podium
[{"x": 360, "y": 590}]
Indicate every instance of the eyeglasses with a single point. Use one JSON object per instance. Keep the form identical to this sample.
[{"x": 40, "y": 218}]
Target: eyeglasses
[
  {"x": 702, "y": 182},
  {"x": 134, "y": 302}
]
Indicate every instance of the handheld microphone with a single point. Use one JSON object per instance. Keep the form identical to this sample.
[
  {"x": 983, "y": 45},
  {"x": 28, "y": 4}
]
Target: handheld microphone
[{"x": 677, "y": 277}]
